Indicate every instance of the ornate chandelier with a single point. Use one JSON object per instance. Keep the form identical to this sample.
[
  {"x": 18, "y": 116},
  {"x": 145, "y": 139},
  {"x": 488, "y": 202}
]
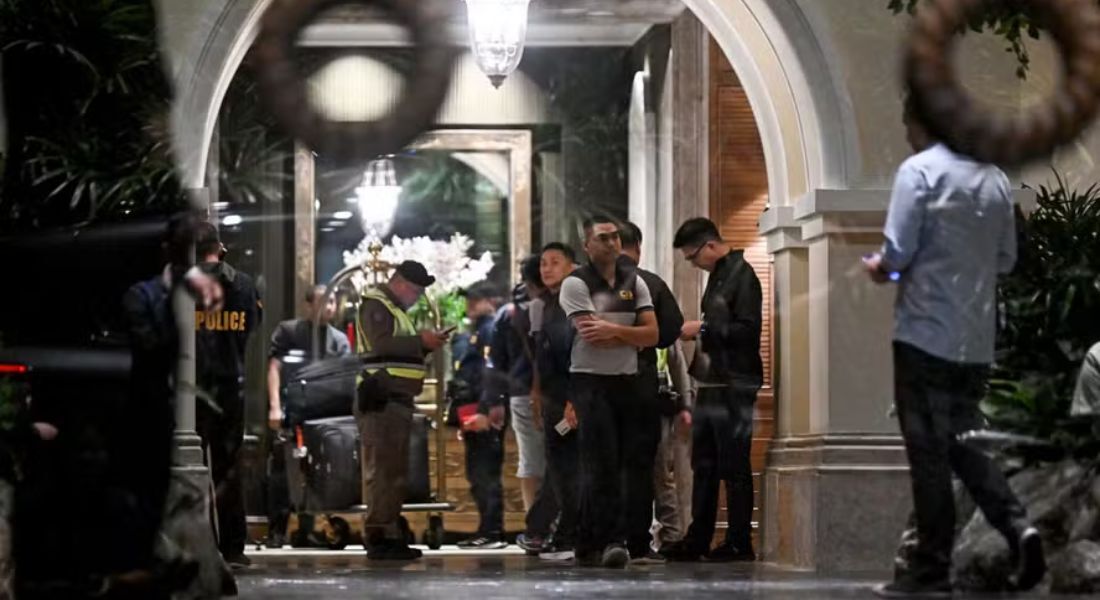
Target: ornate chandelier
[
  {"x": 498, "y": 31},
  {"x": 377, "y": 198}
]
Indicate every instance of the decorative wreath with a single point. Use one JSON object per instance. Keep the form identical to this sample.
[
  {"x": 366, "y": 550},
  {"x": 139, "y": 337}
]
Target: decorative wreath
[
  {"x": 952, "y": 116},
  {"x": 353, "y": 142}
]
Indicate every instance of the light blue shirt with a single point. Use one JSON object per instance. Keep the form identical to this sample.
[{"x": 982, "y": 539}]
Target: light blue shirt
[{"x": 949, "y": 233}]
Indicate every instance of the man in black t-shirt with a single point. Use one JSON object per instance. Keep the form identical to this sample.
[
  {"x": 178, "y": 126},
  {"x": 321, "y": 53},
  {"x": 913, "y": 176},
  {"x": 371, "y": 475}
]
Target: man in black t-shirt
[{"x": 291, "y": 349}]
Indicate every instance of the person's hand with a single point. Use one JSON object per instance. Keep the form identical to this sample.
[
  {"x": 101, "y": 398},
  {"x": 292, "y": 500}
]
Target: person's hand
[
  {"x": 690, "y": 330},
  {"x": 206, "y": 290},
  {"x": 683, "y": 423},
  {"x": 476, "y": 423},
  {"x": 275, "y": 419},
  {"x": 496, "y": 417},
  {"x": 45, "y": 431},
  {"x": 571, "y": 415},
  {"x": 873, "y": 264},
  {"x": 536, "y": 408},
  {"x": 433, "y": 340},
  {"x": 597, "y": 332}
]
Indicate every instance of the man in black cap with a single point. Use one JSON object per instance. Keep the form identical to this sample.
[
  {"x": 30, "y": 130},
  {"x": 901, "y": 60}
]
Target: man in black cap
[{"x": 393, "y": 352}]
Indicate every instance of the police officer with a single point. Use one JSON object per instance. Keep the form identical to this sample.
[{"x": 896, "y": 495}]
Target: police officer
[
  {"x": 484, "y": 440},
  {"x": 393, "y": 352},
  {"x": 729, "y": 372},
  {"x": 220, "y": 337}
]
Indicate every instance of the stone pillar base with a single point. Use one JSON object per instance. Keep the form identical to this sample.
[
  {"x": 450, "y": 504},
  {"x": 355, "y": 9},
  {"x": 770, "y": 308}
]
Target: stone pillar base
[{"x": 835, "y": 503}]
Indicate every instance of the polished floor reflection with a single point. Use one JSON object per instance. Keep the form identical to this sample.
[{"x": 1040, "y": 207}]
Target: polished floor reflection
[{"x": 510, "y": 575}]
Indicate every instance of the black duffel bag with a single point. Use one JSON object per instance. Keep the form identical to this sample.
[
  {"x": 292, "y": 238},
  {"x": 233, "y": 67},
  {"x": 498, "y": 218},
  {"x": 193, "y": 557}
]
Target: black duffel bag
[{"x": 321, "y": 390}]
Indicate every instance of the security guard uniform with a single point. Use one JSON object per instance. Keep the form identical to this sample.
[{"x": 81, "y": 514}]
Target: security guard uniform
[{"x": 392, "y": 377}]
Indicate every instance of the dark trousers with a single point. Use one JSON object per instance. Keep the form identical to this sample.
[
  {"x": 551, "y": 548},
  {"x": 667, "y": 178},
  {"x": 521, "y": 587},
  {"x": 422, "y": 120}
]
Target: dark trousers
[
  {"x": 484, "y": 471},
  {"x": 936, "y": 401},
  {"x": 278, "y": 486},
  {"x": 539, "y": 520},
  {"x": 722, "y": 451},
  {"x": 384, "y": 436},
  {"x": 618, "y": 443},
  {"x": 221, "y": 428},
  {"x": 562, "y": 472}
]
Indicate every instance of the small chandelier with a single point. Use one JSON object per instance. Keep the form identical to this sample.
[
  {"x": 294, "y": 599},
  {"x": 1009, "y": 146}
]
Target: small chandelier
[
  {"x": 377, "y": 198},
  {"x": 498, "y": 31}
]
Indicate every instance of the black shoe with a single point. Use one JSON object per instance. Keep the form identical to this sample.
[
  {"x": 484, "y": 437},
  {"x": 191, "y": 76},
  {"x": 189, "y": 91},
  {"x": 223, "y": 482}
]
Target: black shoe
[
  {"x": 238, "y": 561},
  {"x": 531, "y": 544},
  {"x": 392, "y": 550},
  {"x": 559, "y": 551},
  {"x": 649, "y": 558},
  {"x": 682, "y": 551},
  {"x": 483, "y": 542},
  {"x": 731, "y": 553},
  {"x": 588, "y": 559},
  {"x": 1031, "y": 564},
  {"x": 275, "y": 540},
  {"x": 614, "y": 556},
  {"x": 912, "y": 588}
]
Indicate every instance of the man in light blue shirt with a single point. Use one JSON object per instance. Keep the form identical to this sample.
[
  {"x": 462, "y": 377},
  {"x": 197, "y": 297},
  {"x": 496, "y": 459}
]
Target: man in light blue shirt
[{"x": 949, "y": 233}]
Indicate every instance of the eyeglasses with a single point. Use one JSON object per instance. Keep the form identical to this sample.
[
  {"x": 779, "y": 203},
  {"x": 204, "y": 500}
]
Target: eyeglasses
[{"x": 691, "y": 257}]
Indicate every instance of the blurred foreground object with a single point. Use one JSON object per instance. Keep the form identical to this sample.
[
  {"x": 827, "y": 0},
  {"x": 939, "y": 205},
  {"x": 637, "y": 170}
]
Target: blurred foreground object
[
  {"x": 354, "y": 142},
  {"x": 951, "y": 115}
]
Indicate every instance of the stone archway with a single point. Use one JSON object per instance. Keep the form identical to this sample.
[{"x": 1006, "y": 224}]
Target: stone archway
[{"x": 772, "y": 46}]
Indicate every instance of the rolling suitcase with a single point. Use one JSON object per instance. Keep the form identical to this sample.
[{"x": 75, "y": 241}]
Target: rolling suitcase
[
  {"x": 332, "y": 463},
  {"x": 418, "y": 489}
]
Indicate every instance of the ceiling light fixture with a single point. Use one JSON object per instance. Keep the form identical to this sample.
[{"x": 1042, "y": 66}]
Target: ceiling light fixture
[{"x": 498, "y": 32}]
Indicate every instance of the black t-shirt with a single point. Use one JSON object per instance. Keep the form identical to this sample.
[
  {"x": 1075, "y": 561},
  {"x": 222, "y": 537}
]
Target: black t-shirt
[
  {"x": 292, "y": 345},
  {"x": 221, "y": 336}
]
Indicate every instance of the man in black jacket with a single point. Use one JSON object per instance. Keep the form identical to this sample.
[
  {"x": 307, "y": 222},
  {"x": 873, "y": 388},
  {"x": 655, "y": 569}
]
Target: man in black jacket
[
  {"x": 729, "y": 372},
  {"x": 670, "y": 321}
]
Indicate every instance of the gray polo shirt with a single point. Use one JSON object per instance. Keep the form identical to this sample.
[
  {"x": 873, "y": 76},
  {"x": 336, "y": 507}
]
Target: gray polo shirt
[{"x": 586, "y": 293}]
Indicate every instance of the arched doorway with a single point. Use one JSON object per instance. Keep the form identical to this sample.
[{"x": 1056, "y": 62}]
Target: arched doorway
[{"x": 773, "y": 49}]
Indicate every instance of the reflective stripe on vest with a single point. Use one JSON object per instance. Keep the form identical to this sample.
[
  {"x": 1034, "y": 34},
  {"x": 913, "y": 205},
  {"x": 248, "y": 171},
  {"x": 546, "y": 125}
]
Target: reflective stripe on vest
[{"x": 402, "y": 326}]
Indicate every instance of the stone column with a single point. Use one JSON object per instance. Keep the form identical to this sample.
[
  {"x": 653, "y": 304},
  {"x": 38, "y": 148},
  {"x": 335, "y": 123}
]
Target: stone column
[
  {"x": 188, "y": 447},
  {"x": 690, "y": 158},
  {"x": 305, "y": 220},
  {"x": 837, "y": 488}
]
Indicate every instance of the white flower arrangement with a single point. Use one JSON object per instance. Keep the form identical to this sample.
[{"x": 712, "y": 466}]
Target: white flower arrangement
[{"x": 448, "y": 261}]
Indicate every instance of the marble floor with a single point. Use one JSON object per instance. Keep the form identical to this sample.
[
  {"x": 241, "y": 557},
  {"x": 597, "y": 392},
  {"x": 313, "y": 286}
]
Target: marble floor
[{"x": 453, "y": 574}]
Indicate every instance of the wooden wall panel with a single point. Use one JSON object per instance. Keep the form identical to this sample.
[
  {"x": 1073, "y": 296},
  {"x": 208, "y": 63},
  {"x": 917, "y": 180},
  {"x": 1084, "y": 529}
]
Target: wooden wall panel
[{"x": 738, "y": 196}]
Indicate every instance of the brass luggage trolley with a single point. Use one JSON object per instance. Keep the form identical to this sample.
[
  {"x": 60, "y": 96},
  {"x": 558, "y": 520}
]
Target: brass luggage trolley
[{"x": 336, "y": 529}]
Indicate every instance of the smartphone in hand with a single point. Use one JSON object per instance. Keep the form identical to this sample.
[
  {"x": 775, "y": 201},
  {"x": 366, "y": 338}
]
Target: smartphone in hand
[{"x": 563, "y": 427}]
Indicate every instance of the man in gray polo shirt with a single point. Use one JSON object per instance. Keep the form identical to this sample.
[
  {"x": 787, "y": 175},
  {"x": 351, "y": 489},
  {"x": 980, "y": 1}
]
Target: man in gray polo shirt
[{"x": 612, "y": 311}]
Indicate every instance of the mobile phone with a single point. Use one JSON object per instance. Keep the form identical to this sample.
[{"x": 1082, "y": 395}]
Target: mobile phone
[{"x": 563, "y": 427}]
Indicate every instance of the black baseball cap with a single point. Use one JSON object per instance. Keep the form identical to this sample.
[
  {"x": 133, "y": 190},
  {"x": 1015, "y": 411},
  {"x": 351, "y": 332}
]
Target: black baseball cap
[
  {"x": 481, "y": 291},
  {"x": 415, "y": 273}
]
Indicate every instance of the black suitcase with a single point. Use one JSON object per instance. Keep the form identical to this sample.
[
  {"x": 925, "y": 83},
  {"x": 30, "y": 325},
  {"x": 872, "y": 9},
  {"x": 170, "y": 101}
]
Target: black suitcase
[
  {"x": 332, "y": 464},
  {"x": 418, "y": 489},
  {"x": 322, "y": 390}
]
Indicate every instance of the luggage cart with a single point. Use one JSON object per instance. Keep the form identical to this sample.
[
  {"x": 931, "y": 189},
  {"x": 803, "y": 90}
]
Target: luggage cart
[{"x": 337, "y": 529}]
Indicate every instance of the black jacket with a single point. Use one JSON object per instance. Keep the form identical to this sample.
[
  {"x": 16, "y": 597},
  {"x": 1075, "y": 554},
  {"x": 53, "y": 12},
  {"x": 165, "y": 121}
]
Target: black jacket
[
  {"x": 509, "y": 372},
  {"x": 670, "y": 320},
  {"x": 732, "y": 305},
  {"x": 553, "y": 350}
]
